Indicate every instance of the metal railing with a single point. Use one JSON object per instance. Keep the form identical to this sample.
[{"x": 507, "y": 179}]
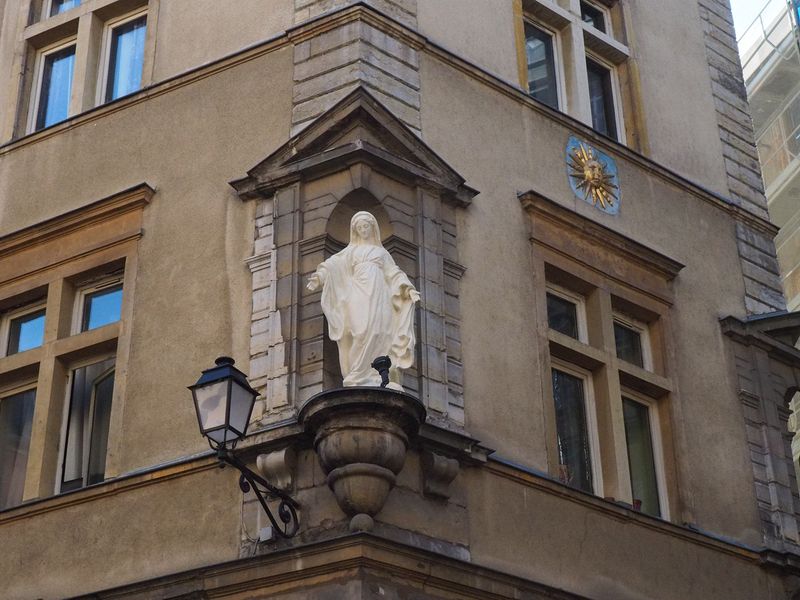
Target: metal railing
[
  {"x": 766, "y": 37},
  {"x": 779, "y": 144}
]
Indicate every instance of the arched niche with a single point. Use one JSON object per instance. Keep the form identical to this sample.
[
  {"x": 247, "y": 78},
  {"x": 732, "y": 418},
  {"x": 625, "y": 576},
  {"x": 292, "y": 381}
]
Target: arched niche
[
  {"x": 357, "y": 156},
  {"x": 338, "y": 227}
]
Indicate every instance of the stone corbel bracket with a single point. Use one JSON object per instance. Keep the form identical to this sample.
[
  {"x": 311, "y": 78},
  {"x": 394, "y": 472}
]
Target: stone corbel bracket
[
  {"x": 442, "y": 454},
  {"x": 278, "y": 467}
]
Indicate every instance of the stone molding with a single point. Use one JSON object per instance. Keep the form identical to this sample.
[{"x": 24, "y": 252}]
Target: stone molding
[
  {"x": 768, "y": 373},
  {"x": 762, "y": 282},
  {"x": 549, "y": 217},
  {"x": 357, "y": 147}
]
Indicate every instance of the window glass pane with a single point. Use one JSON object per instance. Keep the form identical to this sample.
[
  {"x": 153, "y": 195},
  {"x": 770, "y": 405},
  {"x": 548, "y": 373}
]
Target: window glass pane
[
  {"x": 16, "y": 419},
  {"x": 56, "y": 87},
  {"x": 593, "y": 16},
  {"x": 629, "y": 344},
  {"x": 641, "y": 460},
  {"x": 562, "y": 315},
  {"x": 87, "y": 425},
  {"x": 26, "y": 332},
  {"x": 126, "y": 59},
  {"x": 59, "y": 6},
  {"x": 541, "y": 65},
  {"x": 101, "y": 308},
  {"x": 574, "y": 456},
  {"x": 601, "y": 99}
]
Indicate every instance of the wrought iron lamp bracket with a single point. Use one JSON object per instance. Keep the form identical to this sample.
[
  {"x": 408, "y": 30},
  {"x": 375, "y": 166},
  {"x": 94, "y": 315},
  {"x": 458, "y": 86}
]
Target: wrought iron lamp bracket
[{"x": 265, "y": 492}]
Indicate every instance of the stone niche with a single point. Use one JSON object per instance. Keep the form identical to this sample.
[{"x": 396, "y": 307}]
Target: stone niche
[{"x": 356, "y": 156}]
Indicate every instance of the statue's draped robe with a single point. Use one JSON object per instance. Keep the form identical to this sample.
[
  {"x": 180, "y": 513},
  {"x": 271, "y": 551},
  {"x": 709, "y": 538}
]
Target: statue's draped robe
[{"x": 362, "y": 298}]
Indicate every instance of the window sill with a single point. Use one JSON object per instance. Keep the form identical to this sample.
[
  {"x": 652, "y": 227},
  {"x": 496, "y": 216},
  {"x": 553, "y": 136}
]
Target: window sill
[{"x": 604, "y": 45}]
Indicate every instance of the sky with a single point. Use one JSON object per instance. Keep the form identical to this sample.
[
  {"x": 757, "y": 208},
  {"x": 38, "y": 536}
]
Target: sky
[{"x": 744, "y": 12}]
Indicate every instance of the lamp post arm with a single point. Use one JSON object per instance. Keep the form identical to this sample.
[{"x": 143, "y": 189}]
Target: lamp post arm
[{"x": 250, "y": 480}]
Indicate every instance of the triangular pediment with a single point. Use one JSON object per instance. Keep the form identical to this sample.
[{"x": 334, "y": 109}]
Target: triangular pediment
[{"x": 358, "y": 129}]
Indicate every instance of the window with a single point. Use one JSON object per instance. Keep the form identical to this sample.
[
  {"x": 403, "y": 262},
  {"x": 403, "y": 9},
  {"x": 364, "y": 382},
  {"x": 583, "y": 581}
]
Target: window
[
  {"x": 101, "y": 304},
  {"x": 610, "y": 397},
  {"x": 16, "y": 420},
  {"x": 84, "y": 264},
  {"x": 541, "y": 65},
  {"x": 601, "y": 99},
  {"x": 22, "y": 330},
  {"x": 574, "y": 433},
  {"x": 54, "y": 86},
  {"x": 88, "y": 418},
  {"x": 125, "y": 41},
  {"x": 632, "y": 341},
  {"x": 59, "y": 6},
  {"x": 593, "y": 15},
  {"x": 580, "y": 76},
  {"x": 566, "y": 313},
  {"x": 640, "y": 435}
]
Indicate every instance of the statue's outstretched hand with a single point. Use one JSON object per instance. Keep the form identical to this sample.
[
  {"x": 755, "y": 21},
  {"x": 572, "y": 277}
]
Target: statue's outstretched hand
[
  {"x": 413, "y": 295},
  {"x": 313, "y": 283}
]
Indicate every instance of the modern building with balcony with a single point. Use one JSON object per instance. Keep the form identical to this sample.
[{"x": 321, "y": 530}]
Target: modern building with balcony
[
  {"x": 771, "y": 66},
  {"x": 598, "y": 403}
]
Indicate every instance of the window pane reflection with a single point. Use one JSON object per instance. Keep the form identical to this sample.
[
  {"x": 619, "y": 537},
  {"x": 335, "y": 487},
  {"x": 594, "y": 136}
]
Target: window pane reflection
[
  {"x": 562, "y": 315},
  {"x": 87, "y": 427},
  {"x": 26, "y": 332},
  {"x": 629, "y": 344},
  {"x": 641, "y": 460},
  {"x": 56, "y": 87},
  {"x": 16, "y": 419},
  {"x": 601, "y": 99},
  {"x": 101, "y": 308},
  {"x": 59, "y": 6},
  {"x": 574, "y": 456},
  {"x": 541, "y": 65},
  {"x": 126, "y": 59}
]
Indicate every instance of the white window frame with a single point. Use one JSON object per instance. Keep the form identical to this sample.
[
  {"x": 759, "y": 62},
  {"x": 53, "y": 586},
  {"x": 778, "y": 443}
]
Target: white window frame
[
  {"x": 7, "y": 317},
  {"x": 580, "y": 308},
  {"x": 105, "y": 52},
  {"x": 616, "y": 93},
  {"x": 62, "y": 444},
  {"x": 606, "y": 19},
  {"x": 561, "y": 86},
  {"x": 644, "y": 339},
  {"x": 88, "y": 288},
  {"x": 36, "y": 88},
  {"x": 592, "y": 428},
  {"x": 658, "y": 448},
  {"x": 47, "y": 8}
]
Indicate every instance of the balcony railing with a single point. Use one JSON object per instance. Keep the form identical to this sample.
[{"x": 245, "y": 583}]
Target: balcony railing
[
  {"x": 779, "y": 144},
  {"x": 770, "y": 36}
]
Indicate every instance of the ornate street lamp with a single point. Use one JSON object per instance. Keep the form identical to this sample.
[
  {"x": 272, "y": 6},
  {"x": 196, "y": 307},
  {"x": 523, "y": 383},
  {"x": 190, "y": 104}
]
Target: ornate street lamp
[{"x": 223, "y": 400}]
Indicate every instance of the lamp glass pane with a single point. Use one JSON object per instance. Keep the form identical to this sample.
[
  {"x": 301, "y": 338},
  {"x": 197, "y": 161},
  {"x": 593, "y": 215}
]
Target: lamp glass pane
[
  {"x": 211, "y": 402},
  {"x": 241, "y": 407}
]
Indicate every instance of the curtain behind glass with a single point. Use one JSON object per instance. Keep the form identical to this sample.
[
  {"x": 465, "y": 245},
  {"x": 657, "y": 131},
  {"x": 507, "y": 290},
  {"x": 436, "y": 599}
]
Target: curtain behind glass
[
  {"x": 641, "y": 460},
  {"x": 16, "y": 420},
  {"x": 574, "y": 455},
  {"x": 126, "y": 59}
]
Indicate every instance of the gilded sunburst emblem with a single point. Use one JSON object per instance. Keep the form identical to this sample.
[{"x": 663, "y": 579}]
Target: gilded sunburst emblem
[{"x": 591, "y": 176}]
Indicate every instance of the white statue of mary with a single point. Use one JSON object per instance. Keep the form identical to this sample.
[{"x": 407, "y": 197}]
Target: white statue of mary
[{"x": 369, "y": 304}]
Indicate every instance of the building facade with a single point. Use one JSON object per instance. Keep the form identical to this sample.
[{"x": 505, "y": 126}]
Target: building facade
[{"x": 603, "y": 352}]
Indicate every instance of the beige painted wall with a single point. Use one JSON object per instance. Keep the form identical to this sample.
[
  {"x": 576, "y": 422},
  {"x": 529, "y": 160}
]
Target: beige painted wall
[
  {"x": 193, "y": 33},
  {"x": 518, "y": 150}
]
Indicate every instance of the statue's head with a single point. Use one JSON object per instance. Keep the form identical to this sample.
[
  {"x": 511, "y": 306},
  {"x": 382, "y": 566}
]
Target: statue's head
[{"x": 364, "y": 229}]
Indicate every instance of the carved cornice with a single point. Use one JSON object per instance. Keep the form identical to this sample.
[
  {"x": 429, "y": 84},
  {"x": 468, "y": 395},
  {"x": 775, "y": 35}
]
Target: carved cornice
[
  {"x": 357, "y": 129},
  {"x": 756, "y": 333},
  {"x": 540, "y": 207},
  {"x": 133, "y": 198}
]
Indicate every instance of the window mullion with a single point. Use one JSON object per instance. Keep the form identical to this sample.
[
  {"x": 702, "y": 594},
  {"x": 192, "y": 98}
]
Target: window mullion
[
  {"x": 611, "y": 429},
  {"x": 573, "y": 49},
  {"x": 84, "y": 81}
]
